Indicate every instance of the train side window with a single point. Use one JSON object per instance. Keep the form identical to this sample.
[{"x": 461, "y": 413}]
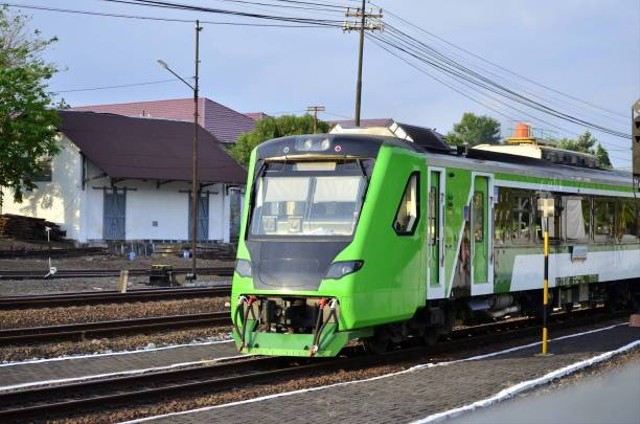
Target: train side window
[
  {"x": 603, "y": 217},
  {"x": 433, "y": 217},
  {"x": 520, "y": 225},
  {"x": 406, "y": 218},
  {"x": 586, "y": 212},
  {"x": 478, "y": 216},
  {"x": 502, "y": 212},
  {"x": 627, "y": 228},
  {"x": 576, "y": 218}
]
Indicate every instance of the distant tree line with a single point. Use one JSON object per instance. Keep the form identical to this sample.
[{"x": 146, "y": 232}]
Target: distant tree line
[
  {"x": 271, "y": 127},
  {"x": 473, "y": 129}
]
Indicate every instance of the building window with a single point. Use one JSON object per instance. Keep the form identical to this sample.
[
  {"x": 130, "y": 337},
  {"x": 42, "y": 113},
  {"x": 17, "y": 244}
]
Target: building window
[
  {"x": 43, "y": 172},
  {"x": 407, "y": 215}
]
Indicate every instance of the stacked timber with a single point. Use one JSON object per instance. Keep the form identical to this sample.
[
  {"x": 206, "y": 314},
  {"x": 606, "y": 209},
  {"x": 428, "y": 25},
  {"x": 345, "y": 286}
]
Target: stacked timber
[
  {"x": 26, "y": 228},
  {"x": 220, "y": 251}
]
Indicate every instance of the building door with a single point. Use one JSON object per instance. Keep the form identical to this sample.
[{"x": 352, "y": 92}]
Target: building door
[
  {"x": 481, "y": 235},
  {"x": 435, "y": 231},
  {"x": 203, "y": 217},
  {"x": 114, "y": 214},
  {"x": 235, "y": 214}
]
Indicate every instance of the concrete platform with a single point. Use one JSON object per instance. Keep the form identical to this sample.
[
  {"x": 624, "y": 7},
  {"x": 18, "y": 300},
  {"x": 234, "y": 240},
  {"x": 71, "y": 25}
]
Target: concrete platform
[
  {"x": 25, "y": 374},
  {"x": 425, "y": 393},
  {"x": 612, "y": 398}
]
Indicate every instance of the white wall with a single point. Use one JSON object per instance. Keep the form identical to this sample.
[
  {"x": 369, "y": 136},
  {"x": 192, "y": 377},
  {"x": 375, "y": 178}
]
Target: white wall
[
  {"x": 58, "y": 201},
  {"x": 168, "y": 205},
  {"x": 81, "y": 212}
]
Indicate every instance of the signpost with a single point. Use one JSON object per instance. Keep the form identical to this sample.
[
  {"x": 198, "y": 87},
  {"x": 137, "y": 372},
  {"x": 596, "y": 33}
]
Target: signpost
[{"x": 547, "y": 209}]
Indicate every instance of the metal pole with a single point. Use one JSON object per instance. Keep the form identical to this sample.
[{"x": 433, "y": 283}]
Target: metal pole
[
  {"x": 195, "y": 192},
  {"x": 360, "y": 53},
  {"x": 545, "y": 300}
]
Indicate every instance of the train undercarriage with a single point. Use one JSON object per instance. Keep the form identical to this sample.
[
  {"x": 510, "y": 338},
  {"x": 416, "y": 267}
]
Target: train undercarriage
[{"x": 314, "y": 320}]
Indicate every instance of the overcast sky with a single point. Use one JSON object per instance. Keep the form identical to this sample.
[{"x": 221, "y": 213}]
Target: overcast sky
[{"x": 586, "y": 49}]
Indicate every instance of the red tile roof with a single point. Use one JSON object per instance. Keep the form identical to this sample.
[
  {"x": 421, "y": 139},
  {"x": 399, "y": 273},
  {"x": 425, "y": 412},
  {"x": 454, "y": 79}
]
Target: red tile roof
[
  {"x": 257, "y": 116},
  {"x": 224, "y": 123},
  {"x": 146, "y": 148}
]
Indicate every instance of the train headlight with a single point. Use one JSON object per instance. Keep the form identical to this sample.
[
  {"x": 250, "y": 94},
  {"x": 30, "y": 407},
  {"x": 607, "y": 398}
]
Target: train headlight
[
  {"x": 340, "y": 269},
  {"x": 243, "y": 268},
  {"x": 313, "y": 144}
]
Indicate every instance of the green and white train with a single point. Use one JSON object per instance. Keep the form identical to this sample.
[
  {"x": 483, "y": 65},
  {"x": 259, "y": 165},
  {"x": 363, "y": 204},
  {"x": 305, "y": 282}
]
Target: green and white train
[{"x": 360, "y": 237}]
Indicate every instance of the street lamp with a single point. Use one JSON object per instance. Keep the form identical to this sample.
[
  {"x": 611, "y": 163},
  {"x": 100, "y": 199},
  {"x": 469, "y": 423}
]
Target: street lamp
[{"x": 195, "y": 192}]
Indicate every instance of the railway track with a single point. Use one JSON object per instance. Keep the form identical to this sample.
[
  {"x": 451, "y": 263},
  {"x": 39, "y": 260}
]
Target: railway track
[
  {"x": 19, "y": 336},
  {"x": 93, "y": 298},
  {"x": 55, "y": 252},
  {"x": 88, "y": 396},
  {"x": 223, "y": 271}
]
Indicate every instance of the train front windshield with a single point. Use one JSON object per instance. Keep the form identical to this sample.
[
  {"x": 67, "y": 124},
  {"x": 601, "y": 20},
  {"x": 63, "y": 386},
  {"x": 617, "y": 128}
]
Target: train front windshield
[{"x": 315, "y": 199}]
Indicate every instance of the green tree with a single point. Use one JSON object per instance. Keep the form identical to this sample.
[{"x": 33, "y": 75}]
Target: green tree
[
  {"x": 585, "y": 144},
  {"x": 269, "y": 128},
  {"x": 27, "y": 120},
  {"x": 473, "y": 129},
  {"x": 603, "y": 157}
]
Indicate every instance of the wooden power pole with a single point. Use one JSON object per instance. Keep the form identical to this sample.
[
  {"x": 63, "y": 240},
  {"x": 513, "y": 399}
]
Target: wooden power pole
[
  {"x": 364, "y": 21},
  {"x": 315, "y": 110}
]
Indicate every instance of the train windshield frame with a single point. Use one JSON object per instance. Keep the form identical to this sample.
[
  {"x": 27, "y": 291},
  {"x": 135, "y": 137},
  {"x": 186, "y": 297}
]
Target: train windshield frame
[{"x": 308, "y": 199}]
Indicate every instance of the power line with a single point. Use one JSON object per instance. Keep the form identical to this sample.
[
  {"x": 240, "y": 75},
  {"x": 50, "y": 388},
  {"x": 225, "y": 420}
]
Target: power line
[
  {"x": 504, "y": 68},
  {"x": 150, "y": 18},
  {"x": 476, "y": 89},
  {"x": 429, "y": 55},
  {"x": 118, "y": 86},
  {"x": 194, "y": 8},
  {"x": 468, "y": 85},
  {"x": 300, "y": 5}
]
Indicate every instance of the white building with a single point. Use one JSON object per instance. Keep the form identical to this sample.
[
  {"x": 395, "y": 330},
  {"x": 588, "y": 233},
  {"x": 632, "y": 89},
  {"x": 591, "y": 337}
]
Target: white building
[{"x": 124, "y": 178}]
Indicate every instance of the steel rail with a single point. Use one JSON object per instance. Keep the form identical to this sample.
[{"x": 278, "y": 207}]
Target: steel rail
[
  {"x": 119, "y": 390},
  {"x": 48, "y": 399},
  {"x": 111, "y": 296},
  {"x": 223, "y": 271},
  {"x": 55, "y": 252},
  {"x": 82, "y": 331}
]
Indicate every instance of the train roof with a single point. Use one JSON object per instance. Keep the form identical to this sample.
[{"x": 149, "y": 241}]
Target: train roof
[
  {"x": 523, "y": 166},
  {"x": 473, "y": 159}
]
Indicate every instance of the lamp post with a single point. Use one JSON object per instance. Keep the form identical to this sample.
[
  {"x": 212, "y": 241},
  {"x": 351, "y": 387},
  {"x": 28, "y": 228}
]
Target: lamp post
[{"x": 195, "y": 192}]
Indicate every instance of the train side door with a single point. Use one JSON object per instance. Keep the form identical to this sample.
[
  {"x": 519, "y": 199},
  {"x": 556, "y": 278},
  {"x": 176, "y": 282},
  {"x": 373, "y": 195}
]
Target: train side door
[
  {"x": 481, "y": 254},
  {"x": 435, "y": 231}
]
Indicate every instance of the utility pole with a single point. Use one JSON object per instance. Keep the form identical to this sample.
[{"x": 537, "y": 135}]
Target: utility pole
[
  {"x": 195, "y": 191},
  {"x": 635, "y": 144},
  {"x": 364, "y": 21},
  {"x": 315, "y": 110}
]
